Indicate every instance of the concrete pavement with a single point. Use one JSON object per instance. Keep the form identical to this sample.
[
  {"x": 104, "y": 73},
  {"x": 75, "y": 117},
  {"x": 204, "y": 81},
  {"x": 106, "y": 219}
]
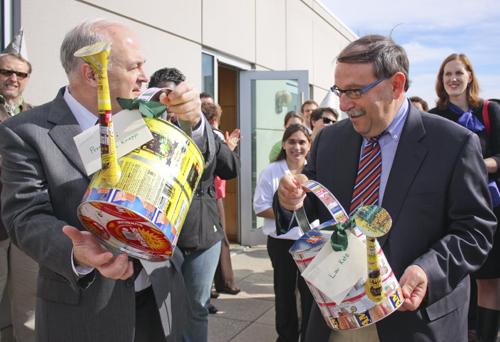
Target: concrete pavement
[{"x": 249, "y": 315}]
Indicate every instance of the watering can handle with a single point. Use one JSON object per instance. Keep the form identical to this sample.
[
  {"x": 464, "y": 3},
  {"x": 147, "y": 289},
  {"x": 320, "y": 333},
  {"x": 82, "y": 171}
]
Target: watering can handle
[{"x": 329, "y": 201}]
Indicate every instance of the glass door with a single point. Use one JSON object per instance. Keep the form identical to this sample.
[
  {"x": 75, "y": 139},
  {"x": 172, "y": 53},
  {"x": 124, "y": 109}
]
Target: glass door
[{"x": 265, "y": 98}]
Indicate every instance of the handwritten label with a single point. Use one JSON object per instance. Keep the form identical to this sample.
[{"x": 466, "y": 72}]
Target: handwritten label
[
  {"x": 131, "y": 132},
  {"x": 335, "y": 273}
]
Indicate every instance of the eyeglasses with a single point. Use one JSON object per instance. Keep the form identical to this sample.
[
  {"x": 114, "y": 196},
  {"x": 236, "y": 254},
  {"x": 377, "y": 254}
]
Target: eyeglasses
[
  {"x": 327, "y": 121},
  {"x": 358, "y": 92},
  {"x": 7, "y": 73}
]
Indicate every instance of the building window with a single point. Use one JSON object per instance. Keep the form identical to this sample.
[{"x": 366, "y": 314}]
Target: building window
[
  {"x": 10, "y": 14},
  {"x": 208, "y": 71}
]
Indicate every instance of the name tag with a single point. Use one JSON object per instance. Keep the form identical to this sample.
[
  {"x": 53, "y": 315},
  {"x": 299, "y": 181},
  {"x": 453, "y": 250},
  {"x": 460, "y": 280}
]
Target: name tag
[
  {"x": 335, "y": 273},
  {"x": 131, "y": 132}
]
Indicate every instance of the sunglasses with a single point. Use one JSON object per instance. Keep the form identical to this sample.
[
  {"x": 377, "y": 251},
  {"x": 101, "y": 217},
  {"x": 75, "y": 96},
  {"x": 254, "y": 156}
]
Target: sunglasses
[
  {"x": 7, "y": 73},
  {"x": 327, "y": 121}
]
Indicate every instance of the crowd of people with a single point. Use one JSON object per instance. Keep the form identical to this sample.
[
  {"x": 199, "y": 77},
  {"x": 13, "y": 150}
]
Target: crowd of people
[{"x": 436, "y": 172}]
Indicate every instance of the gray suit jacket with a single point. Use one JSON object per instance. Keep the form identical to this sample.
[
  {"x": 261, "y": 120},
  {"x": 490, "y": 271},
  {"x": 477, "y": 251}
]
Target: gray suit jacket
[
  {"x": 4, "y": 116},
  {"x": 43, "y": 183},
  {"x": 438, "y": 199}
]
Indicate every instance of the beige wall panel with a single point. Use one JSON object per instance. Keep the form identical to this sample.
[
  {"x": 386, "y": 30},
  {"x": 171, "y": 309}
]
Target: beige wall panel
[
  {"x": 333, "y": 20},
  {"x": 45, "y": 30},
  {"x": 271, "y": 33},
  {"x": 164, "y": 50},
  {"x": 299, "y": 36},
  {"x": 44, "y": 34},
  {"x": 229, "y": 26},
  {"x": 326, "y": 47},
  {"x": 181, "y": 17}
]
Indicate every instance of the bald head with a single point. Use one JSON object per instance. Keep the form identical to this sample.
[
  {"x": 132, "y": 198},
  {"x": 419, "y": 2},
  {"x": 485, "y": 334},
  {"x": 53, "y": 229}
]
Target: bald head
[{"x": 125, "y": 69}]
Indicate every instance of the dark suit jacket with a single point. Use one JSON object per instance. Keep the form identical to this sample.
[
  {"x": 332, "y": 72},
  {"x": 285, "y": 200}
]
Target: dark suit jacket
[
  {"x": 43, "y": 183},
  {"x": 490, "y": 143},
  {"x": 4, "y": 116},
  {"x": 438, "y": 199},
  {"x": 202, "y": 228}
]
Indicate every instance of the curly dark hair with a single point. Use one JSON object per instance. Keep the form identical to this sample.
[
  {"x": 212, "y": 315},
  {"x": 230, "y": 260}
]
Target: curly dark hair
[{"x": 166, "y": 75}]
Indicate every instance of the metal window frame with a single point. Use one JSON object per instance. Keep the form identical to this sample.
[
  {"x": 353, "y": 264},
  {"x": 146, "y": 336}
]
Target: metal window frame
[{"x": 10, "y": 12}]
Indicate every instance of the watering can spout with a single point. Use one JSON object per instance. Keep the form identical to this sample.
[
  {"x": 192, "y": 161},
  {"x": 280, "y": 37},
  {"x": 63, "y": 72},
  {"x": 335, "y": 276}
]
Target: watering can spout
[{"x": 97, "y": 56}]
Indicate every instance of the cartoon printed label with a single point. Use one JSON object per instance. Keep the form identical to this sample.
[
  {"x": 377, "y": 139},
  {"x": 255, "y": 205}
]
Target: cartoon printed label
[
  {"x": 139, "y": 235},
  {"x": 145, "y": 210}
]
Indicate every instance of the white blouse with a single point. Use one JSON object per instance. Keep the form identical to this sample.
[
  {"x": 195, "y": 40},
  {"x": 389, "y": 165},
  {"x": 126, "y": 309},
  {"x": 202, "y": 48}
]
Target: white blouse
[{"x": 263, "y": 198}]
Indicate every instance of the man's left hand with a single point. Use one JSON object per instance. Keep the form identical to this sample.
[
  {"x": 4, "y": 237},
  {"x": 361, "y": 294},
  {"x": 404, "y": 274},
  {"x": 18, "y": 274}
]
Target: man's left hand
[
  {"x": 184, "y": 102},
  {"x": 414, "y": 287}
]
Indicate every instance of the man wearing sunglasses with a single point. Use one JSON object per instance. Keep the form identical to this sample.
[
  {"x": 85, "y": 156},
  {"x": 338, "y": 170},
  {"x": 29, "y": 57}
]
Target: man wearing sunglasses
[
  {"x": 14, "y": 76},
  {"x": 428, "y": 173}
]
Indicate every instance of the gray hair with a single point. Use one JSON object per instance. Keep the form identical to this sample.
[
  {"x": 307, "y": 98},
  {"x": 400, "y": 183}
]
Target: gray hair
[
  {"x": 19, "y": 57},
  {"x": 387, "y": 57},
  {"x": 86, "y": 33}
]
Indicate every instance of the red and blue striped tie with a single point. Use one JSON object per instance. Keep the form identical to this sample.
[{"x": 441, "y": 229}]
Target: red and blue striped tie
[{"x": 368, "y": 179}]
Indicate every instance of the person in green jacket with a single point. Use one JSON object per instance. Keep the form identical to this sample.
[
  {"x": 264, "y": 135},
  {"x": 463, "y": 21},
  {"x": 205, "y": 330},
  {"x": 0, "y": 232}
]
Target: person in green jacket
[{"x": 290, "y": 119}]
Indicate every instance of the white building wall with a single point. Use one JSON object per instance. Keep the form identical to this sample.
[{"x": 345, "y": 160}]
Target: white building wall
[
  {"x": 229, "y": 26},
  {"x": 299, "y": 37},
  {"x": 182, "y": 18},
  {"x": 268, "y": 34},
  {"x": 271, "y": 24}
]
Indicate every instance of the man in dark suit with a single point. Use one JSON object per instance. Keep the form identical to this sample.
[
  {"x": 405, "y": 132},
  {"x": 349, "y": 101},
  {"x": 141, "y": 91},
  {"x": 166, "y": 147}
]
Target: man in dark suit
[
  {"x": 432, "y": 182},
  {"x": 85, "y": 292}
]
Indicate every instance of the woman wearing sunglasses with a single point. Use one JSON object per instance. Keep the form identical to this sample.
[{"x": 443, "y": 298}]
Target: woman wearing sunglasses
[{"x": 321, "y": 117}]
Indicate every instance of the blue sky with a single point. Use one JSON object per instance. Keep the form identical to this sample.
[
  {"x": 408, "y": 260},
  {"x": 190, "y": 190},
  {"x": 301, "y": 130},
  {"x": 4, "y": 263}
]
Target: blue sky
[{"x": 430, "y": 30}]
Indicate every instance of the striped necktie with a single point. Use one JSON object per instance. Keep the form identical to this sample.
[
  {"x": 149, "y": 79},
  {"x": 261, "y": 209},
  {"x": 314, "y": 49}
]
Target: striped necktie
[{"x": 368, "y": 179}]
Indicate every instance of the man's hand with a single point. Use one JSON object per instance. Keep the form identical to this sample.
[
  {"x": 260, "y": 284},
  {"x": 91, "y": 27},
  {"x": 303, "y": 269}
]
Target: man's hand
[
  {"x": 87, "y": 251},
  {"x": 290, "y": 192},
  {"x": 184, "y": 102},
  {"x": 414, "y": 287}
]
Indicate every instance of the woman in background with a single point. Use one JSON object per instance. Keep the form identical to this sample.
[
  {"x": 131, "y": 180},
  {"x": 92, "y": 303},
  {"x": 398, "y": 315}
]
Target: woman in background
[
  {"x": 290, "y": 119},
  {"x": 295, "y": 146},
  {"x": 457, "y": 89}
]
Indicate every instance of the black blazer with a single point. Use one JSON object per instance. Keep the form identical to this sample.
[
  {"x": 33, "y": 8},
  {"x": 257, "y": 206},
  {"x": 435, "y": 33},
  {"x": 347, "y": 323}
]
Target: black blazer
[
  {"x": 202, "y": 227},
  {"x": 490, "y": 144},
  {"x": 438, "y": 199}
]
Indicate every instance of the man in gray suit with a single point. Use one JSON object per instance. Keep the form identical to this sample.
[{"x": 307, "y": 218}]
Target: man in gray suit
[
  {"x": 432, "y": 182},
  {"x": 85, "y": 292}
]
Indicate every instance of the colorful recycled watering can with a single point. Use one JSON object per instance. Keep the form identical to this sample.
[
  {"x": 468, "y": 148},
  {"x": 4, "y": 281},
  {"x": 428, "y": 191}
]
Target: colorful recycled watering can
[
  {"x": 138, "y": 203},
  {"x": 374, "y": 296}
]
